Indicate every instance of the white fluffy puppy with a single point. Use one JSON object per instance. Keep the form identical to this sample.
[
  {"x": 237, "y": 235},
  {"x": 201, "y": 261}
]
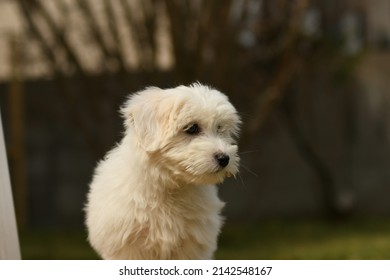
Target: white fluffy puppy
[{"x": 153, "y": 196}]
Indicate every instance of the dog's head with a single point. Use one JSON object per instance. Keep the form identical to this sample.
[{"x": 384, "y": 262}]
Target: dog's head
[{"x": 190, "y": 131}]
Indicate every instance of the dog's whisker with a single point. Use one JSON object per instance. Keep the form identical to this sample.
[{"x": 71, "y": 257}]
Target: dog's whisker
[
  {"x": 249, "y": 170},
  {"x": 249, "y": 152},
  {"x": 241, "y": 180},
  {"x": 238, "y": 176}
]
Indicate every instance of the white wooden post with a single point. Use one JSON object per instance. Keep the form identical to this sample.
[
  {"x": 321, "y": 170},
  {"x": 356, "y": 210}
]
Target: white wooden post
[{"x": 9, "y": 241}]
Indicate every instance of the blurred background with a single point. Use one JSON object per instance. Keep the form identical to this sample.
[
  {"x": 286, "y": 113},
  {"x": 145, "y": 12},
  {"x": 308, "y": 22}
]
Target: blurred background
[{"x": 310, "y": 79}]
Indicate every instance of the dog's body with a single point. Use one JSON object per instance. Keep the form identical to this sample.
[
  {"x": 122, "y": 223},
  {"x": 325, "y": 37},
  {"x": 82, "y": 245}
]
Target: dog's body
[{"x": 153, "y": 196}]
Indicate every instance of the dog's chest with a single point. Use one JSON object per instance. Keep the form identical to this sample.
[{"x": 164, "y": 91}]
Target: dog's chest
[{"x": 185, "y": 224}]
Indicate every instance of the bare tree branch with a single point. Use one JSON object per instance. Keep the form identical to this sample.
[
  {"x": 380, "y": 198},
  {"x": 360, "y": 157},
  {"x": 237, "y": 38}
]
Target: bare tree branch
[
  {"x": 272, "y": 95},
  {"x": 137, "y": 33},
  {"x": 96, "y": 32},
  {"x": 113, "y": 26},
  {"x": 58, "y": 34},
  {"x": 47, "y": 49}
]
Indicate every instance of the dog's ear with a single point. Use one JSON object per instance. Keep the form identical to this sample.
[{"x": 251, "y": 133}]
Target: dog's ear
[{"x": 147, "y": 113}]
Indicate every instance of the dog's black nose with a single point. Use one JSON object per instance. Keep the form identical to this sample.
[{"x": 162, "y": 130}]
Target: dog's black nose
[{"x": 222, "y": 159}]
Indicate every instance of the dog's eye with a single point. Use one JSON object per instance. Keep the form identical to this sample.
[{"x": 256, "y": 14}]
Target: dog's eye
[{"x": 192, "y": 129}]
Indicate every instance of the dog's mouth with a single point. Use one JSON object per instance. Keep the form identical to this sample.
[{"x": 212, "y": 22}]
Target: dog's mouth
[{"x": 224, "y": 172}]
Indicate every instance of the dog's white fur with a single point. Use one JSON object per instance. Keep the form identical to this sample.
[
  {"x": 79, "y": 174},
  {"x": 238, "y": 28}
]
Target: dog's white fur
[{"x": 153, "y": 196}]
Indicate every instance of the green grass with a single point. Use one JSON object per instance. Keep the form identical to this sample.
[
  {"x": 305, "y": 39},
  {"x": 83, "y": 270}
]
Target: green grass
[
  {"x": 265, "y": 240},
  {"x": 55, "y": 245},
  {"x": 307, "y": 240}
]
